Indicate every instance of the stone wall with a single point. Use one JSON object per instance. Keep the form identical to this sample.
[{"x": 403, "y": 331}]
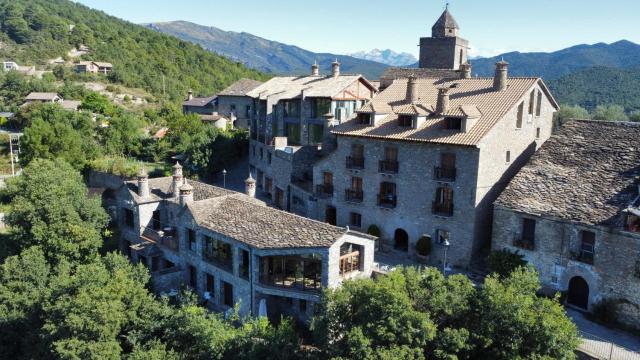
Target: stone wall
[
  {"x": 557, "y": 244},
  {"x": 442, "y": 53},
  {"x": 416, "y": 191},
  {"x": 241, "y": 103}
]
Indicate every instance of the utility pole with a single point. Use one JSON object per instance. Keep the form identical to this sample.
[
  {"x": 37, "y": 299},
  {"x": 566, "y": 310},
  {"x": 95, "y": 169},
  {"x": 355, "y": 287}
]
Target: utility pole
[
  {"x": 164, "y": 92},
  {"x": 13, "y": 170}
]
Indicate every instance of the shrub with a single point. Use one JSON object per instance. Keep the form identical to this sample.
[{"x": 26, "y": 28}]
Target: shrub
[
  {"x": 423, "y": 247},
  {"x": 503, "y": 262},
  {"x": 373, "y": 230}
]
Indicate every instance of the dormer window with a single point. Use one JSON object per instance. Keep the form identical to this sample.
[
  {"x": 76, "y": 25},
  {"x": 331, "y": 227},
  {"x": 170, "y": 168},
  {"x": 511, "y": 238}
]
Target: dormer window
[
  {"x": 453, "y": 123},
  {"x": 405, "y": 120},
  {"x": 364, "y": 119}
]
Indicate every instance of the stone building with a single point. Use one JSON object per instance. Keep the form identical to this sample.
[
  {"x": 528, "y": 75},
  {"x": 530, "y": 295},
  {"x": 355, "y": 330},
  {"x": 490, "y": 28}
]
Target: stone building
[
  {"x": 427, "y": 157},
  {"x": 232, "y": 250},
  {"x": 443, "y": 55},
  {"x": 574, "y": 213},
  {"x": 291, "y": 125},
  {"x": 235, "y": 105},
  {"x": 199, "y": 105}
]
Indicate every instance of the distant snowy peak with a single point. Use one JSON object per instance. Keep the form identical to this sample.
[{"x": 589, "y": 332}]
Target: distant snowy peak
[{"x": 388, "y": 57}]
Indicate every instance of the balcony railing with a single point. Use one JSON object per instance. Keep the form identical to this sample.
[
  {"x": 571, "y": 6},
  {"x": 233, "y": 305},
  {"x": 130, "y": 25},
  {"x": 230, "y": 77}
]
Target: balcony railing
[
  {"x": 324, "y": 190},
  {"x": 524, "y": 242},
  {"x": 355, "y": 196},
  {"x": 355, "y": 162},
  {"x": 388, "y": 167},
  {"x": 388, "y": 201},
  {"x": 583, "y": 257},
  {"x": 167, "y": 237},
  {"x": 222, "y": 263},
  {"x": 441, "y": 173},
  {"x": 442, "y": 209}
]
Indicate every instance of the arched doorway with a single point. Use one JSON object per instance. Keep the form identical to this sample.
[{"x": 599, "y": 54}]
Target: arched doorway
[
  {"x": 401, "y": 240},
  {"x": 578, "y": 293}
]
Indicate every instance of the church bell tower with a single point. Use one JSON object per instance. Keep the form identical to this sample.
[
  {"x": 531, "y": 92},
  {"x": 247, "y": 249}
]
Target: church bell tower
[{"x": 444, "y": 49}]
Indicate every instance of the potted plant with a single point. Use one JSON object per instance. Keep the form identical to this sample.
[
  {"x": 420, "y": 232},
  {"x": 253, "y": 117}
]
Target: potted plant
[{"x": 423, "y": 248}]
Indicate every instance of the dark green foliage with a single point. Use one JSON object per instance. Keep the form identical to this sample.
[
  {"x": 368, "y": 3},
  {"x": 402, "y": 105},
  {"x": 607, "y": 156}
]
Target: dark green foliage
[
  {"x": 37, "y": 30},
  {"x": 504, "y": 262},
  {"x": 421, "y": 314},
  {"x": 599, "y": 86},
  {"x": 373, "y": 230},
  {"x": 424, "y": 245},
  {"x": 50, "y": 209}
]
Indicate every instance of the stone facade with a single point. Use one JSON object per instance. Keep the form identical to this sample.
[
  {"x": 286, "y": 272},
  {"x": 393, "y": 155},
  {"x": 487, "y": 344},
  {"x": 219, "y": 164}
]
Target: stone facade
[
  {"x": 239, "y": 108},
  {"x": 170, "y": 240},
  {"x": 613, "y": 273}
]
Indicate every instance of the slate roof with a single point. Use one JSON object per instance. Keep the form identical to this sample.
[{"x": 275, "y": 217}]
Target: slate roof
[
  {"x": 240, "y": 87},
  {"x": 290, "y": 87},
  {"x": 474, "y": 97},
  {"x": 586, "y": 172},
  {"x": 201, "y": 101},
  {"x": 42, "y": 96},
  {"x": 262, "y": 227},
  {"x": 161, "y": 189},
  {"x": 446, "y": 21}
]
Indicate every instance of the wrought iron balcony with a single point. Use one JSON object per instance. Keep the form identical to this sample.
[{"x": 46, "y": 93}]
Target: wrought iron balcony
[
  {"x": 355, "y": 196},
  {"x": 445, "y": 174},
  {"x": 355, "y": 162},
  {"x": 442, "y": 209},
  {"x": 388, "y": 167},
  {"x": 324, "y": 190},
  {"x": 388, "y": 201}
]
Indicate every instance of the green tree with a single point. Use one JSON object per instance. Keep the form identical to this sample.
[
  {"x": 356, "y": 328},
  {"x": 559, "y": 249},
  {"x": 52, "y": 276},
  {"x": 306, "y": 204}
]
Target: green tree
[
  {"x": 610, "y": 113},
  {"x": 50, "y": 209},
  {"x": 503, "y": 262},
  {"x": 124, "y": 135},
  {"x": 98, "y": 103},
  {"x": 567, "y": 112},
  {"x": 635, "y": 116}
]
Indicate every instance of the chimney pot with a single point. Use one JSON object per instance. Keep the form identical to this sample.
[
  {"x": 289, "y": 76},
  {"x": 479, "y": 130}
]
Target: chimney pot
[
  {"x": 502, "y": 74},
  {"x": 443, "y": 100},
  {"x": 412, "y": 90},
  {"x": 250, "y": 186},
  {"x": 335, "y": 68},
  {"x": 143, "y": 183},
  {"x": 315, "y": 69},
  {"x": 465, "y": 71},
  {"x": 186, "y": 194},
  {"x": 178, "y": 179}
]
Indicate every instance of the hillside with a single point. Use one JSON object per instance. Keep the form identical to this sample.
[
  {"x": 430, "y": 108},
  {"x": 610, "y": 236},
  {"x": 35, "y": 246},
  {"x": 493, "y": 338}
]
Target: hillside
[
  {"x": 35, "y": 30},
  {"x": 599, "y": 86},
  {"x": 621, "y": 54},
  {"x": 388, "y": 57},
  {"x": 262, "y": 54}
]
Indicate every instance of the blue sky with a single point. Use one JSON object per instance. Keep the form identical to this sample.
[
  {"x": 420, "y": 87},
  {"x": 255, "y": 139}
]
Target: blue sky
[{"x": 345, "y": 26}]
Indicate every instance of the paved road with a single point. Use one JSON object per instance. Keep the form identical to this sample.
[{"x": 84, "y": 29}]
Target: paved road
[{"x": 598, "y": 340}]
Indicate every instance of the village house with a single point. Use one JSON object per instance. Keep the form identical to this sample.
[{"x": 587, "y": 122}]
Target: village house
[
  {"x": 292, "y": 118},
  {"x": 199, "y": 105},
  {"x": 573, "y": 212},
  {"x": 426, "y": 158},
  {"x": 9, "y": 66},
  {"x": 235, "y": 105},
  {"x": 94, "y": 67},
  {"x": 232, "y": 250},
  {"x": 38, "y": 97}
]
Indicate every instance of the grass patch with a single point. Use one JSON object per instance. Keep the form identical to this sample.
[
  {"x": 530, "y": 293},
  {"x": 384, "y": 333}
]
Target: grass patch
[{"x": 127, "y": 167}]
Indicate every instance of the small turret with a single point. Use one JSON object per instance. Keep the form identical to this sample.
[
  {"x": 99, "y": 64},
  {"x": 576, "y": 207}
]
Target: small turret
[
  {"x": 186, "y": 194},
  {"x": 178, "y": 179},
  {"x": 250, "y": 186},
  {"x": 465, "y": 71},
  {"x": 143, "y": 183}
]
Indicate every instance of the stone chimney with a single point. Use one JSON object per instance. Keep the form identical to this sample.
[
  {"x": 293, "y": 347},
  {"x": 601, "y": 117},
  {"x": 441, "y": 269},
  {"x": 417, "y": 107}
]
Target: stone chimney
[
  {"x": 178, "y": 180},
  {"x": 465, "y": 71},
  {"x": 250, "y": 186},
  {"x": 315, "y": 69},
  {"x": 190, "y": 95},
  {"x": 412, "y": 90},
  {"x": 143, "y": 183},
  {"x": 186, "y": 194},
  {"x": 335, "y": 68},
  {"x": 443, "y": 100},
  {"x": 502, "y": 74}
]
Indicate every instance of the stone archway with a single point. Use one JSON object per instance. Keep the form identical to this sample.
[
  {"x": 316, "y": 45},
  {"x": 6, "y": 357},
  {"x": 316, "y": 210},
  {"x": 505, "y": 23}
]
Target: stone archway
[
  {"x": 578, "y": 292},
  {"x": 401, "y": 240}
]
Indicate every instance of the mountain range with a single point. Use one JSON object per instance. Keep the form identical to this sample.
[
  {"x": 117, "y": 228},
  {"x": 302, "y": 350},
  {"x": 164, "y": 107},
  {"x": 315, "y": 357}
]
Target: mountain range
[
  {"x": 387, "y": 57},
  {"x": 262, "y": 54}
]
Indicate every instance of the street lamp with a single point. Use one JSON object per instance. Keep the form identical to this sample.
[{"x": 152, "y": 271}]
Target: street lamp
[
  {"x": 444, "y": 263},
  {"x": 224, "y": 178}
]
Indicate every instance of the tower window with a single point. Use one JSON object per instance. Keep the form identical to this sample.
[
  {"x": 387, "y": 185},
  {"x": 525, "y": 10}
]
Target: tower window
[
  {"x": 520, "y": 116},
  {"x": 508, "y": 157}
]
